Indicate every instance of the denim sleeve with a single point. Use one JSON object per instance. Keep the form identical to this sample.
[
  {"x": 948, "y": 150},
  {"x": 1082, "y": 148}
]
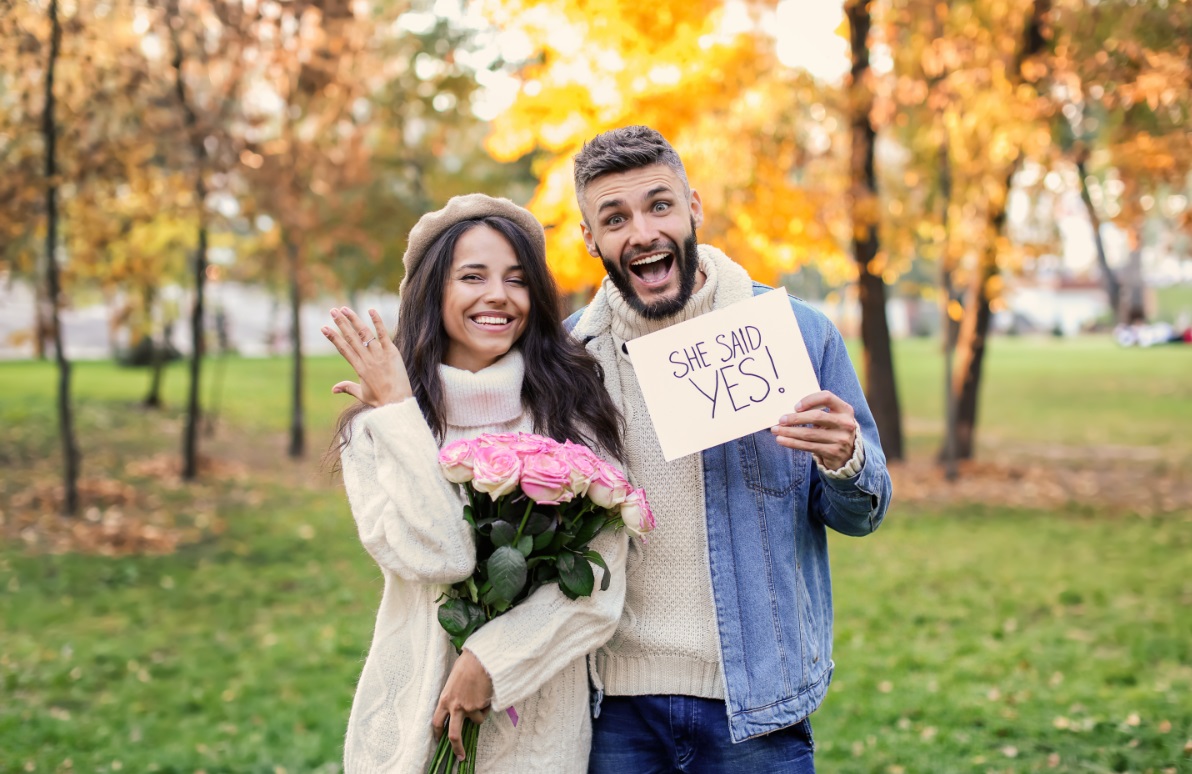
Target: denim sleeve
[{"x": 857, "y": 505}]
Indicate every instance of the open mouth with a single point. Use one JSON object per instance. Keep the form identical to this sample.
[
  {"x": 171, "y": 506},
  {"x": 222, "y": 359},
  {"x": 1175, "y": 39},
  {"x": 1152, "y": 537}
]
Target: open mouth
[
  {"x": 653, "y": 269},
  {"x": 492, "y": 320}
]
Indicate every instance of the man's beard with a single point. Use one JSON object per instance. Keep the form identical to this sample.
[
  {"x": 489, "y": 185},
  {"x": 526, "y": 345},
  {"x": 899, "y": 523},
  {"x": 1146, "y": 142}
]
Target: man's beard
[{"x": 686, "y": 263}]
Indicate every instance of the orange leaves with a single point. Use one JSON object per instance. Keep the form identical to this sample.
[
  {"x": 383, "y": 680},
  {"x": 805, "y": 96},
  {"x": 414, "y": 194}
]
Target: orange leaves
[{"x": 710, "y": 83}]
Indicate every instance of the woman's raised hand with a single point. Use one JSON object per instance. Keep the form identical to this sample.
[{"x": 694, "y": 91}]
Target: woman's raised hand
[{"x": 374, "y": 356}]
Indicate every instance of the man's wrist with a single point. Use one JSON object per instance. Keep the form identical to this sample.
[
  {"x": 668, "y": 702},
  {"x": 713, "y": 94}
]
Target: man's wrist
[{"x": 850, "y": 468}]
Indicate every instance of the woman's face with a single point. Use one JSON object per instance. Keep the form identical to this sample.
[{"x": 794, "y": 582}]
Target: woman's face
[{"x": 486, "y": 302}]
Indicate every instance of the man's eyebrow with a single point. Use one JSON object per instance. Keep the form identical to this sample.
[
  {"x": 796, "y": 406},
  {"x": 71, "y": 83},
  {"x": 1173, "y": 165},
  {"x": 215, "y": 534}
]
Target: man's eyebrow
[
  {"x": 609, "y": 204},
  {"x": 658, "y": 190}
]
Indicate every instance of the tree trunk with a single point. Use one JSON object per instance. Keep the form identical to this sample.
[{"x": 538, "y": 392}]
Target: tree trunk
[
  {"x": 881, "y": 390},
  {"x": 1134, "y": 303},
  {"x": 190, "y": 442},
  {"x": 53, "y": 294},
  {"x": 974, "y": 328},
  {"x": 948, "y": 448},
  {"x": 157, "y": 354},
  {"x": 297, "y": 425},
  {"x": 1113, "y": 288}
]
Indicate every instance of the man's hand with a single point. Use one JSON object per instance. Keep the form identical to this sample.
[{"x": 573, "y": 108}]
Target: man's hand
[
  {"x": 467, "y": 693},
  {"x": 822, "y": 424}
]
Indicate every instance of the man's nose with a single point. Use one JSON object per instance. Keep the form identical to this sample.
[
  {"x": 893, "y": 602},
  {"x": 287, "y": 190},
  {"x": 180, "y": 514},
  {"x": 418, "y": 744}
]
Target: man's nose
[{"x": 641, "y": 231}]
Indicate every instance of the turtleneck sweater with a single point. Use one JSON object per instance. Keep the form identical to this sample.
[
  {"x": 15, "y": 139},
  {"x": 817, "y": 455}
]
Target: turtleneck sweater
[
  {"x": 410, "y": 520},
  {"x": 667, "y": 642}
]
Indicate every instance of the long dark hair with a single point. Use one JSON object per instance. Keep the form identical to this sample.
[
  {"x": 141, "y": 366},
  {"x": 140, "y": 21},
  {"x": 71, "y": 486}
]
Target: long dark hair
[{"x": 563, "y": 386}]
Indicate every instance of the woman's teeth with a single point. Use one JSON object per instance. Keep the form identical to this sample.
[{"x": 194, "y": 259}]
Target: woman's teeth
[{"x": 491, "y": 320}]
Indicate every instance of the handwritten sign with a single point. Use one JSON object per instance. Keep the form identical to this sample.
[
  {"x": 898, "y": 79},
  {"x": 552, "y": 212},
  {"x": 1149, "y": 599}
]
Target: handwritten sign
[{"x": 724, "y": 374}]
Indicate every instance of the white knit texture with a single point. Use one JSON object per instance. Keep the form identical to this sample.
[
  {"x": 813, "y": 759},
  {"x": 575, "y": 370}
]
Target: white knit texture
[
  {"x": 667, "y": 641},
  {"x": 410, "y": 521}
]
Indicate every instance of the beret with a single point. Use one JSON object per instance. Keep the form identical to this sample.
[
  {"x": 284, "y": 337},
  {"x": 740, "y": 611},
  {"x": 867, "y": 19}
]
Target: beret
[{"x": 459, "y": 208}]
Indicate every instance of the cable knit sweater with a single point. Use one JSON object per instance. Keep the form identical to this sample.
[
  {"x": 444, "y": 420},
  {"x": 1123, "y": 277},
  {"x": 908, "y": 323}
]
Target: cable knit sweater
[{"x": 409, "y": 519}]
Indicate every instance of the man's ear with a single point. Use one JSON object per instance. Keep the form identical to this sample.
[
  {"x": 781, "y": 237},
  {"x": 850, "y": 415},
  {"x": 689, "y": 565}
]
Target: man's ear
[
  {"x": 589, "y": 240},
  {"x": 697, "y": 209}
]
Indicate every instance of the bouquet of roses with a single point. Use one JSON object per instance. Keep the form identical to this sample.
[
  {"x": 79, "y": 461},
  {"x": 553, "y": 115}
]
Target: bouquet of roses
[{"x": 534, "y": 505}]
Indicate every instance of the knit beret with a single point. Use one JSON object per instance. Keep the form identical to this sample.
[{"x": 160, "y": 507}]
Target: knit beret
[{"x": 459, "y": 208}]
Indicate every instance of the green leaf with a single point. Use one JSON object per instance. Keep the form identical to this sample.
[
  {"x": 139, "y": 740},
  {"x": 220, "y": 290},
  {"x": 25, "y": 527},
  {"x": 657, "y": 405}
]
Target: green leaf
[
  {"x": 591, "y": 526},
  {"x": 468, "y": 516},
  {"x": 507, "y": 573},
  {"x": 538, "y": 523},
  {"x": 470, "y": 584},
  {"x": 575, "y": 575},
  {"x": 503, "y": 533},
  {"x": 596, "y": 558},
  {"x": 453, "y": 617},
  {"x": 543, "y": 539},
  {"x": 525, "y": 545}
]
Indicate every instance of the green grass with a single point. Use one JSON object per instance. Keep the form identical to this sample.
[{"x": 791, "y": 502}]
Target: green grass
[
  {"x": 975, "y": 639},
  {"x": 1174, "y": 301}
]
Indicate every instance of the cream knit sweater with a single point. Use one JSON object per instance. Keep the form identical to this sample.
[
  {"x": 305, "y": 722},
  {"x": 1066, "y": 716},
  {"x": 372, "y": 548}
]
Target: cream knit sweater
[
  {"x": 409, "y": 519},
  {"x": 667, "y": 641}
]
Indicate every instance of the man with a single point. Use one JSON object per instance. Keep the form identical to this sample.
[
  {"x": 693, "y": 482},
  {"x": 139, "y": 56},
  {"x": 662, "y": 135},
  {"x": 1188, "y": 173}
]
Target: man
[{"x": 724, "y": 647}]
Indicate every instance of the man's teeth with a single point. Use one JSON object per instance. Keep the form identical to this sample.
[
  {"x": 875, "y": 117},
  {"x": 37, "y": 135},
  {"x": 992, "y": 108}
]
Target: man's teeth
[
  {"x": 491, "y": 320},
  {"x": 650, "y": 259}
]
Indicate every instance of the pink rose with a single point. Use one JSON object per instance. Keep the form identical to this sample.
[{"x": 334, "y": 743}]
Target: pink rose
[
  {"x": 636, "y": 513},
  {"x": 456, "y": 461},
  {"x": 584, "y": 464},
  {"x": 608, "y": 487},
  {"x": 496, "y": 470},
  {"x": 491, "y": 440},
  {"x": 546, "y": 478},
  {"x": 527, "y": 444}
]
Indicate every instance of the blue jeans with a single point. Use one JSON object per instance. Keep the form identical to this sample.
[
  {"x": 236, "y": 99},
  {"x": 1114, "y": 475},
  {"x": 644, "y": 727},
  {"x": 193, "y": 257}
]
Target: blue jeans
[{"x": 670, "y": 734}]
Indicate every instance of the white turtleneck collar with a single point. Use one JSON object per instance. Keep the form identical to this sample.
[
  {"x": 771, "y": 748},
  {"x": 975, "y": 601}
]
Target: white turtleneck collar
[{"x": 490, "y": 396}]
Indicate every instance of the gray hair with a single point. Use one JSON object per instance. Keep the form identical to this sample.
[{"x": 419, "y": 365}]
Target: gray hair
[{"x": 622, "y": 150}]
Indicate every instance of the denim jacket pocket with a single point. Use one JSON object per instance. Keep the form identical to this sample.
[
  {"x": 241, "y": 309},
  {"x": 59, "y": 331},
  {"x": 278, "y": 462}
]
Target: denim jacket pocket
[{"x": 769, "y": 468}]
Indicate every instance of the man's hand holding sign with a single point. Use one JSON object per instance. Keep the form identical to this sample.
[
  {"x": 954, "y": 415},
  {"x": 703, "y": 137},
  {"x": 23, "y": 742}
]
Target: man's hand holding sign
[
  {"x": 729, "y": 373},
  {"x": 822, "y": 424}
]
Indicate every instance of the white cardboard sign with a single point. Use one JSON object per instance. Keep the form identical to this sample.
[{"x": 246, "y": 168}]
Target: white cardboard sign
[{"x": 723, "y": 375}]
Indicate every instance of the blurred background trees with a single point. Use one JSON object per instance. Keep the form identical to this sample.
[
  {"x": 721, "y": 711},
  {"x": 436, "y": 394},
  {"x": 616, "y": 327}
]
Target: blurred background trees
[{"x": 292, "y": 145}]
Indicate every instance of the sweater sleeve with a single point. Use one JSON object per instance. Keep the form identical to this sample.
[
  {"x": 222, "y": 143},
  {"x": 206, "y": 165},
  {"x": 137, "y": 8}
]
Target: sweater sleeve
[
  {"x": 409, "y": 516},
  {"x": 532, "y": 642}
]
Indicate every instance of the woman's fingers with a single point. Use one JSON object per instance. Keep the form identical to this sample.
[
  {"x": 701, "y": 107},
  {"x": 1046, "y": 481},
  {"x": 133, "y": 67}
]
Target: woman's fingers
[
  {"x": 455, "y": 731},
  {"x": 351, "y": 388},
  {"x": 358, "y": 325},
  {"x": 349, "y": 328},
  {"x": 342, "y": 346},
  {"x": 379, "y": 325}
]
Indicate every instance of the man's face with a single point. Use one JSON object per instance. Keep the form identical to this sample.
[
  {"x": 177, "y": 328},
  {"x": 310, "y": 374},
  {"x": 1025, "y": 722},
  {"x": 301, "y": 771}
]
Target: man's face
[{"x": 641, "y": 225}]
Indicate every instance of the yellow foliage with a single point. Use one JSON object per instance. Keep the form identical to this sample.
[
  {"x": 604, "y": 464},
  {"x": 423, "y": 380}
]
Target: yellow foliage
[{"x": 722, "y": 100}]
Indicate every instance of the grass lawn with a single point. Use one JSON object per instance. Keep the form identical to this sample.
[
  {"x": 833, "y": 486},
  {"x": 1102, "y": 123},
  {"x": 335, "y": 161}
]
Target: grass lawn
[{"x": 970, "y": 637}]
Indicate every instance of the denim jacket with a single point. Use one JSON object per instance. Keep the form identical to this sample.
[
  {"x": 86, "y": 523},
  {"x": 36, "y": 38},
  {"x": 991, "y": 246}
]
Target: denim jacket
[{"x": 767, "y": 510}]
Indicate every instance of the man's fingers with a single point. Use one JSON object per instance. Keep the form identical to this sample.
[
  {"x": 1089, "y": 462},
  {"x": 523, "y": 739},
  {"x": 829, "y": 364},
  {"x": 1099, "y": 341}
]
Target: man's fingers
[
  {"x": 840, "y": 420},
  {"x": 810, "y": 434},
  {"x": 821, "y": 400},
  {"x": 437, "y": 720}
]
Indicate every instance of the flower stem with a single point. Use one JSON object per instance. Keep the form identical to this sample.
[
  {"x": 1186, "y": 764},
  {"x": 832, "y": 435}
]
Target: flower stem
[{"x": 525, "y": 518}]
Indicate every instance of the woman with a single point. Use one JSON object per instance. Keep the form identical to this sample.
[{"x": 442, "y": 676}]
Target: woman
[{"x": 478, "y": 350}]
